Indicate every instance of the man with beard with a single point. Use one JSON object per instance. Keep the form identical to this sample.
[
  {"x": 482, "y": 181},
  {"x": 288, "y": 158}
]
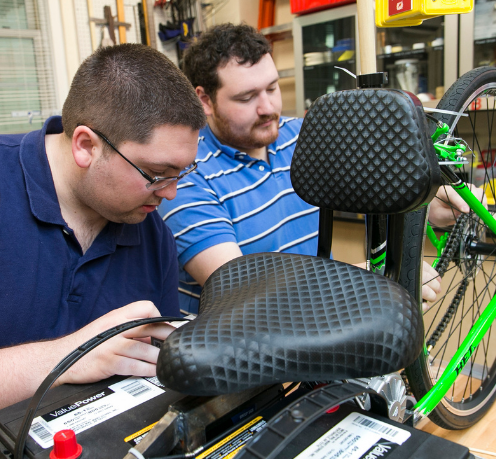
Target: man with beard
[
  {"x": 82, "y": 248},
  {"x": 240, "y": 199}
]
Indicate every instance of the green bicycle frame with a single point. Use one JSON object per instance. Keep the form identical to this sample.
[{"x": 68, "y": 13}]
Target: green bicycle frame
[{"x": 427, "y": 404}]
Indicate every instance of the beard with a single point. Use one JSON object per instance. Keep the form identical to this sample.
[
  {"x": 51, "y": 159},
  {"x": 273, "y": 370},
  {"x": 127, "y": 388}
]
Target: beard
[{"x": 254, "y": 137}]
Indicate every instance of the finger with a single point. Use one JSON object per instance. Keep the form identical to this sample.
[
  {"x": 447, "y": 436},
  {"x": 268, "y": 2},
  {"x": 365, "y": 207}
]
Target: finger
[
  {"x": 426, "y": 307},
  {"x": 478, "y": 193},
  {"x": 456, "y": 200},
  {"x": 433, "y": 284},
  {"x": 159, "y": 330},
  {"x": 127, "y": 366},
  {"x": 137, "y": 350},
  {"x": 428, "y": 294},
  {"x": 452, "y": 200},
  {"x": 428, "y": 272},
  {"x": 140, "y": 310}
]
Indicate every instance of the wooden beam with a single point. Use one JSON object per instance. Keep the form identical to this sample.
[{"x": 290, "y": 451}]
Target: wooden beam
[
  {"x": 121, "y": 17},
  {"x": 94, "y": 44},
  {"x": 145, "y": 14}
]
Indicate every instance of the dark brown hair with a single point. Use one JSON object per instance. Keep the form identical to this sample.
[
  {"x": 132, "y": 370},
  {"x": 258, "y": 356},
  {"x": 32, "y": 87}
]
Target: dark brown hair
[
  {"x": 216, "y": 47},
  {"x": 125, "y": 91}
]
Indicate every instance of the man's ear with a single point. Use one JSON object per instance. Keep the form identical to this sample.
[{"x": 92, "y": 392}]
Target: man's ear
[
  {"x": 83, "y": 141},
  {"x": 205, "y": 100}
]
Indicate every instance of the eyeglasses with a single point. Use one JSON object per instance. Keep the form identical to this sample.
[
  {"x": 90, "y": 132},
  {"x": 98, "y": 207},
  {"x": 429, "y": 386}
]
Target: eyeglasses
[{"x": 156, "y": 183}]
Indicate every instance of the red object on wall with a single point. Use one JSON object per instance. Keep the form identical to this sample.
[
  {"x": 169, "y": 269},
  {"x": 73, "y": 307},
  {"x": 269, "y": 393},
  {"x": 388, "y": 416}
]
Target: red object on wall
[
  {"x": 266, "y": 13},
  {"x": 399, "y": 6},
  {"x": 311, "y": 6}
]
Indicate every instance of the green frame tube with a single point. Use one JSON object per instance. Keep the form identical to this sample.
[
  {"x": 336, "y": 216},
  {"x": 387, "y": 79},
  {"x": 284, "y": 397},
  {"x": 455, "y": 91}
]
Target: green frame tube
[
  {"x": 425, "y": 406},
  {"x": 464, "y": 191},
  {"x": 439, "y": 244}
]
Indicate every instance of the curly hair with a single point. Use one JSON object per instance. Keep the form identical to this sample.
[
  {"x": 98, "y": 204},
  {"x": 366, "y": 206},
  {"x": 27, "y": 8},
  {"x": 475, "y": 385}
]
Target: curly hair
[
  {"x": 125, "y": 91},
  {"x": 216, "y": 47}
]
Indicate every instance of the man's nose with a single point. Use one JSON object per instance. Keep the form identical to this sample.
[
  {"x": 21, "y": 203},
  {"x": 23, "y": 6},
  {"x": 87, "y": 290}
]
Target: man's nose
[
  {"x": 265, "y": 106},
  {"x": 169, "y": 192}
]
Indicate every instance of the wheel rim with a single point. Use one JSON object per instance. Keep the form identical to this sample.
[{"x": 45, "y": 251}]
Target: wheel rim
[{"x": 472, "y": 265}]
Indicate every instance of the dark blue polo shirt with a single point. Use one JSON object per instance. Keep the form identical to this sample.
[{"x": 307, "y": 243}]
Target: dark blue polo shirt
[{"x": 48, "y": 288}]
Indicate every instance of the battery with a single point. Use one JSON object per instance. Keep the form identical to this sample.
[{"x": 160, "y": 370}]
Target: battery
[
  {"x": 362, "y": 434},
  {"x": 109, "y": 417},
  {"x": 112, "y": 416}
]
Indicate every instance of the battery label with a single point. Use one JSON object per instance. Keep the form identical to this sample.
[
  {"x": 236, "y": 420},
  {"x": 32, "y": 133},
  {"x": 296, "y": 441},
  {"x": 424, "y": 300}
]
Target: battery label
[
  {"x": 229, "y": 446},
  {"x": 357, "y": 437},
  {"x": 135, "y": 438},
  {"x": 83, "y": 414}
]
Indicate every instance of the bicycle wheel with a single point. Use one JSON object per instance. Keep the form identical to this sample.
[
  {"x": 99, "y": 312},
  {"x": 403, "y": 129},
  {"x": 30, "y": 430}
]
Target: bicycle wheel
[{"x": 469, "y": 272}]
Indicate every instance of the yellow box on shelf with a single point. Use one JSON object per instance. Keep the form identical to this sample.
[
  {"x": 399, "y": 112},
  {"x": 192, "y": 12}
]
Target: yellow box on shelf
[{"x": 403, "y": 13}]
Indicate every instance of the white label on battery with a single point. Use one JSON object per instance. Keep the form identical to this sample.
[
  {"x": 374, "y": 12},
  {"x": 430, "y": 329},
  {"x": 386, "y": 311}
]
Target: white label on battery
[
  {"x": 353, "y": 437},
  {"x": 95, "y": 409}
]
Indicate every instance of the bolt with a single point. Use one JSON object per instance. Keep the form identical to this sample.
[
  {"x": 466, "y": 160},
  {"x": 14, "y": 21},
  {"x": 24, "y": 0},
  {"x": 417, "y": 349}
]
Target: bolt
[{"x": 297, "y": 415}]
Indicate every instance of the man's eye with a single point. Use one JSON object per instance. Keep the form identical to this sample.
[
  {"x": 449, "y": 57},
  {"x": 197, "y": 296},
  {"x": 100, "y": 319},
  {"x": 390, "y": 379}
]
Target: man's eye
[{"x": 165, "y": 173}]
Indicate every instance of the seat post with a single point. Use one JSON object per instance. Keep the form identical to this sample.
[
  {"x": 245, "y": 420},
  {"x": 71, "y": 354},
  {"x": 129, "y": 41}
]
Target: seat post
[{"x": 325, "y": 233}]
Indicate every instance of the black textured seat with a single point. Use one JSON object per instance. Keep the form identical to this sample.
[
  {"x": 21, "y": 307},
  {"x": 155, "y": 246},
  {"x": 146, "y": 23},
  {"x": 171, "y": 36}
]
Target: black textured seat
[
  {"x": 365, "y": 151},
  {"x": 268, "y": 318}
]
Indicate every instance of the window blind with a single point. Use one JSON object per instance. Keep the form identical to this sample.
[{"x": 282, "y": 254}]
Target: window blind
[{"x": 27, "y": 92}]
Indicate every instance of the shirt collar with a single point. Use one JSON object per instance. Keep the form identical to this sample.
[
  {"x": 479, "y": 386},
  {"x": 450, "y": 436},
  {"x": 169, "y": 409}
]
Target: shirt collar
[
  {"x": 209, "y": 137},
  {"x": 41, "y": 189},
  {"x": 37, "y": 173}
]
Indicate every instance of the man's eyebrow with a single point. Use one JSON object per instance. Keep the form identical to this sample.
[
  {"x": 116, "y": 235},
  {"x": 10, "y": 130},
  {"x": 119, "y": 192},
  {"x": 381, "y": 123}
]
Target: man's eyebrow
[
  {"x": 245, "y": 93},
  {"x": 162, "y": 165}
]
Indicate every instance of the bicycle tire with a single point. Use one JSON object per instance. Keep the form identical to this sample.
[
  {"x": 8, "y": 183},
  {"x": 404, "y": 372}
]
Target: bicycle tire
[{"x": 474, "y": 390}]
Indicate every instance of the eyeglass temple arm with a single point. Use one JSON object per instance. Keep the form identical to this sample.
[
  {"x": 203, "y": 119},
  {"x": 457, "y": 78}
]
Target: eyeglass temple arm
[{"x": 141, "y": 171}]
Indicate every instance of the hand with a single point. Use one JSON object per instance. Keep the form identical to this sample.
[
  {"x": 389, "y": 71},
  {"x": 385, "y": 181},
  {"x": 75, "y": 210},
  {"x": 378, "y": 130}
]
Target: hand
[
  {"x": 447, "y": 205},
  {"x": 431, "y": 285},
  {"x": 129, "y": 353}
]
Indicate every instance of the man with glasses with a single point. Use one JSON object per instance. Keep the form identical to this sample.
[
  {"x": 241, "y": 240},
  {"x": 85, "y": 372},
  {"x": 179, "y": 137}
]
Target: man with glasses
[
  {"x": 241, "y": 200},
  {"x": 82, "y": 248}
]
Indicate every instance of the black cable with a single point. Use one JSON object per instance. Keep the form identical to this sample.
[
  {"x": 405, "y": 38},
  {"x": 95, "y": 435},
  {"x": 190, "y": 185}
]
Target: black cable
[
  {"x": 432, "y": 118},
  {"x": 68, "y": 362}
]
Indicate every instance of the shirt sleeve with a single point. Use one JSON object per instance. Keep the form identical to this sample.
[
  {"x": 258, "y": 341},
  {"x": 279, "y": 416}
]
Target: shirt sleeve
[{"x": 197, "y": 218}]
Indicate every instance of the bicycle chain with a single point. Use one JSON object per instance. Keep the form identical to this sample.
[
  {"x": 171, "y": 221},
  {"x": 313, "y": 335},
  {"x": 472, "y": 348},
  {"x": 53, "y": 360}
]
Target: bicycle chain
[
  {"x": 452, "y": 245},
  {"x": 450, "y": 312}
]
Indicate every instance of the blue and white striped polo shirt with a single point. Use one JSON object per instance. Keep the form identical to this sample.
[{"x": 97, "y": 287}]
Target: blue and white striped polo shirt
[{"x": 232, "y": 197}]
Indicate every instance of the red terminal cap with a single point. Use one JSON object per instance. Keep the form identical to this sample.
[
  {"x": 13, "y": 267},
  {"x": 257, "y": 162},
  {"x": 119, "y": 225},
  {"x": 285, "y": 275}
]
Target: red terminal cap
[{"x": 65, "y": 445}]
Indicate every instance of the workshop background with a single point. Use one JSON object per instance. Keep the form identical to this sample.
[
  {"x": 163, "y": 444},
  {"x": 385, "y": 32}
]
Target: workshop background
[{"x": 43, "y": 42}]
